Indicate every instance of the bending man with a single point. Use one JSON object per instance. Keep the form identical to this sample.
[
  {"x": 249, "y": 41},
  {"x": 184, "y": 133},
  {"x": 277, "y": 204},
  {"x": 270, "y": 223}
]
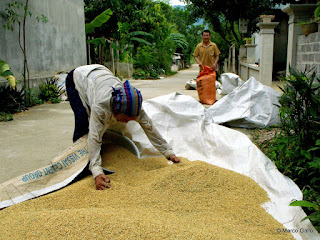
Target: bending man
[{"x": 99, "y": 99}]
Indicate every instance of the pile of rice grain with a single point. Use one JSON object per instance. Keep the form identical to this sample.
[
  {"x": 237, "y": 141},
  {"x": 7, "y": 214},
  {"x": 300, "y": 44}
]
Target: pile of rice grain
[{"x": 149, "y": 199}]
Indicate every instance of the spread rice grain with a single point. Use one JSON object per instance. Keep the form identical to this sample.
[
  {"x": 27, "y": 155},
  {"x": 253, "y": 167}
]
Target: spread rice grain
[{"x": 149, "y": 199}]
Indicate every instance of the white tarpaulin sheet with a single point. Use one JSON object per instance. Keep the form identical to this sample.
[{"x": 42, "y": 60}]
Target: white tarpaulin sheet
[
  {"x": 251, "y": 105},
  {"x": 229, "y": 81},
  {"x": 184, "y": 123}
]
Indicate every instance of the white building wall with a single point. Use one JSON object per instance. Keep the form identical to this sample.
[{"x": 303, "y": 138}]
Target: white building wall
[{"x": 58, "y": 45}]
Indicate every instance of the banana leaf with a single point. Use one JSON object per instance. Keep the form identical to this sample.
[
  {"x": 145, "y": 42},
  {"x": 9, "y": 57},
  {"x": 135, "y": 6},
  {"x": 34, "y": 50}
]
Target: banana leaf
[
  {"x": 5, "y": 71},
  {"x": 98, "y": 21},
  {"x": 98, "y": 41}
]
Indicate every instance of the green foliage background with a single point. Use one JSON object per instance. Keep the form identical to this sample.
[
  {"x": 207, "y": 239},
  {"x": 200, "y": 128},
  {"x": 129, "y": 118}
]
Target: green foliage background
[{"x": 149, "y": 32}]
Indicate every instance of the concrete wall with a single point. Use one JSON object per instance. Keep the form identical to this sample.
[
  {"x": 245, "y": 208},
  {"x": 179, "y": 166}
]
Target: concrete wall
[
  {"x": 308, "y": 54},
  {"x": 249, "y": 70},
  {"x": 58, "y": 45},
  {"x": 123, "y": 69}
]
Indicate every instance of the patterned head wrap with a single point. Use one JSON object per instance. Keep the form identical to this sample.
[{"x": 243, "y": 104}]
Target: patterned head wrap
[{"x": 127, "y": 100}]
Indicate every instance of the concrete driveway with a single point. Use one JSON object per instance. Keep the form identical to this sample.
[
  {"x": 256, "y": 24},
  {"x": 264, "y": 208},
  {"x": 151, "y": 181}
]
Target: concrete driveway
[{"x": 175, "y": 83}]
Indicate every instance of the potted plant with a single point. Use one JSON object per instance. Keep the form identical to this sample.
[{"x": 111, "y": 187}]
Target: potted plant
[
  {"x": 248, "y": 40},
  {"x": 308, "y": 27},
  {"x": 267, "y": 18},
  {"x": 311, "y": 26}
]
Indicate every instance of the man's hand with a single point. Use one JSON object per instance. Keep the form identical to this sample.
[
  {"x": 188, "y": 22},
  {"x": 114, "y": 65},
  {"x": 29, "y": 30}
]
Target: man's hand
[
  {"x": 102, "y": 182},
  {"x": 198, "y": 61},
  {"x": 175, "y": 159},
  {"x": 215, "y": 66}
]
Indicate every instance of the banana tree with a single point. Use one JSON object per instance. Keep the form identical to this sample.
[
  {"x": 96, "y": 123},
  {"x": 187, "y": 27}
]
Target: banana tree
[
  {"x": 100, "y": 44},
  {"x": 179, "y": 39},
  {"x": 130, "y": 40},
  {"x": 5, "y": 71},
  {"x": 96, "y": 23},
  {"x": 134, "y": 38}
]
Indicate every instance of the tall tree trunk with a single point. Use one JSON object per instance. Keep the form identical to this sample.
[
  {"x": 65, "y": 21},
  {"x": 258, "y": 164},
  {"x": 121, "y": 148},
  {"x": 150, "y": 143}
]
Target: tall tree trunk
[
  {"x": 112, "y": 59},
  {"x": 234, "y": 58},
  {"x": 128, "y": 66},
  {"x": 100, "y": 50},
  {"x": 88, "y": 51},
  {"x": 24, "y": 63},
  {"x": 118, "y": 58},
  {"x": 26, "y": 69},
  {"x": 105, "y": 56},
  {"x": 22, "y": 46},
  {"x": 92, "y": 53},
  {"x": 234, "y": 33}
]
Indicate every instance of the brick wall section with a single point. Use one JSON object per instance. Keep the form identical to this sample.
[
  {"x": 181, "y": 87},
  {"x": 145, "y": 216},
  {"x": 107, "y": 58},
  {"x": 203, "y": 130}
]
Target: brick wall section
[{"x": 308, "y": 53}]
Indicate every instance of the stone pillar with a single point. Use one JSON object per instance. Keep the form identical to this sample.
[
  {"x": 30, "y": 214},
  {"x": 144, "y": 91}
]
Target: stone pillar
[
  {"x": 266, "y": 54},
  {"x": 251, "y": 53},
  {"x": 296, "y": 12},
  {"x": 242, "y": 53}
]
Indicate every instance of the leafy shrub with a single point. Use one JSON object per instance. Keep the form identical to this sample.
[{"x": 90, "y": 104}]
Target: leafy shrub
[
  {"x": 50, "y": 92},
  {"x": 5, "y": 117},
  {"x": 139, "y": 73},
  {"x": 299, "y": 111},
  {"x": 295, "y": 151},
  {"x": 33, "y": 98},
  {"x": 11, "y": 100},
  {"x": 146, "y": 63},
  {"x": 164, "y": 55},
  {"x": 315, "y": 215}
]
